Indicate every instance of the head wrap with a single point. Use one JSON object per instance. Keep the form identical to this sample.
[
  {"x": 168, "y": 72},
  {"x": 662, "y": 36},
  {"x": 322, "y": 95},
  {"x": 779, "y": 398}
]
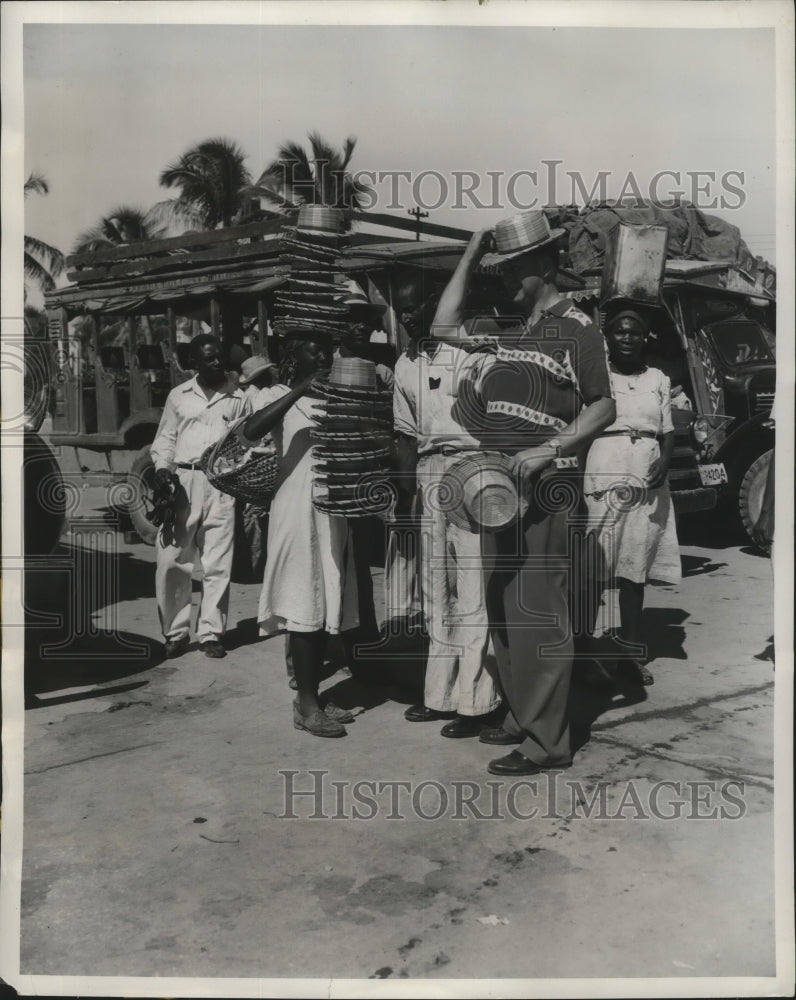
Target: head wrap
[{"x": 628, "y": 319}]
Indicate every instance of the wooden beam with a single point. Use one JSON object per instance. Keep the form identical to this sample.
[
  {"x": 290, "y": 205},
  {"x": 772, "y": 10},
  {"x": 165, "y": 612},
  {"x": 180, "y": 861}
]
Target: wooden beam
[
  {"x": 208, "y": 238},
  {"x": 397, "y": 222},
  {"x": 262, "y": 327},
  {"x": 177, "y": 281},
  {"x": 237, "y": 251},
  {"x": 215, "y": 317}
]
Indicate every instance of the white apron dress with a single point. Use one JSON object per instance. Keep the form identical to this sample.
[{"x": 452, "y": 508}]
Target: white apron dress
[
  {"x": 310, "y": 579},
  {"x": 634, "y": 526}
]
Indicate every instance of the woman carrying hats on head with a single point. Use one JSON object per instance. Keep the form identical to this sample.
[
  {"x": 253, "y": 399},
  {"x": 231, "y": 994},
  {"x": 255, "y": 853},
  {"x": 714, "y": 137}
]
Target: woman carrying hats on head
[
  {"x": 310, "y": 588},
  {"x": 630, "y": 508}
]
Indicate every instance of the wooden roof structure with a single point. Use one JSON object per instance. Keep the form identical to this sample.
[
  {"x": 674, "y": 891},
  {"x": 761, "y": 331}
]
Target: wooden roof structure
[{"x": 240, "y": 262}]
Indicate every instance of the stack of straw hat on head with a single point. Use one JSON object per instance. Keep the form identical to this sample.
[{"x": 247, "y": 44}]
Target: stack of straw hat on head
[
  {"x": 310, "y": 298},
  {"x": 352, "y": 442}
]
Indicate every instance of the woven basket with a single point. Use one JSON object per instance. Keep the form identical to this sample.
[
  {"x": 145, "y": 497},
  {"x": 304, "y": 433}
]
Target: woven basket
[{"x": 240, "y": 471}]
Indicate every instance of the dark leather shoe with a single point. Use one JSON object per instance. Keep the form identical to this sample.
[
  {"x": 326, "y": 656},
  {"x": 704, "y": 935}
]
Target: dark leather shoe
[
  {"x": 176, "y": 647},
  {"x": 213, "y": 648},
  {"x": 463, "y": 726},
  {"x": 516, "y": 764},
  {"x": 497, "y": 736},
  {"x": 419, "y": 713}
]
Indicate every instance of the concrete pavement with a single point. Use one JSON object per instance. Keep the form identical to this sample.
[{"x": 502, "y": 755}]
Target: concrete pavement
[{"x": 156, "y": 843}]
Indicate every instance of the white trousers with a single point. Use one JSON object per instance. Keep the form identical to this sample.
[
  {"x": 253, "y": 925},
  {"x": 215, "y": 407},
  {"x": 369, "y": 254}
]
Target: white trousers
[
  {"x": 459, "y": 678},
  {"x": 204, "y": 527}
]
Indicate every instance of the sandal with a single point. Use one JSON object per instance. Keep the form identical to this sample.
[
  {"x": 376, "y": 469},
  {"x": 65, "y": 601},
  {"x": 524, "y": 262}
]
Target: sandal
[{"x": 319, "y": 724}]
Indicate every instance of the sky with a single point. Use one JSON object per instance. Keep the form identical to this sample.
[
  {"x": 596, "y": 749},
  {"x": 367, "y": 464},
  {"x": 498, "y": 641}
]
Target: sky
[{"x": 108, "y": 106}]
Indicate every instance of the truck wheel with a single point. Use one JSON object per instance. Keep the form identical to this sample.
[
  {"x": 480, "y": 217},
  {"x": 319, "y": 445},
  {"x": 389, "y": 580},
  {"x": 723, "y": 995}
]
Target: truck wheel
[
  {"x": 46, "y": 498},
  {"x": 750, "y": 495},
  {"x": 142, "y": 481}
]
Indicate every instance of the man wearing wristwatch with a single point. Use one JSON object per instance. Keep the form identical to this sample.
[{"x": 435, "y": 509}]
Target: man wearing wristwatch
[{"x": 544, "y": 398}]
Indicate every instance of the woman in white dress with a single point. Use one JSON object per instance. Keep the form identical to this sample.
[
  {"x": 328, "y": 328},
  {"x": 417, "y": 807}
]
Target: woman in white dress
[
  {"x": 310, "y": 587},
  {"x": 630, "y": 508}
]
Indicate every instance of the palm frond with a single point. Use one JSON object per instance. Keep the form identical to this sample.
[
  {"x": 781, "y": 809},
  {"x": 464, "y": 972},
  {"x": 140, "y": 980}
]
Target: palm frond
[
  {"x": 38, "y": 273},
  {"x": 50, "y": 257},
  {"x": 36, "y": 183}
]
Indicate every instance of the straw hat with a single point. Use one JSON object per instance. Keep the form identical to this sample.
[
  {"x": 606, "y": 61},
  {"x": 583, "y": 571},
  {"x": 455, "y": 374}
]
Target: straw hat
[
  {"x": 520, "y": 234},
  {"x": 320, "y": 219},
  {"x": 479, "y": 492},
  {"x": 252, "y": 367},
  {"x": 355, "y": 300}
]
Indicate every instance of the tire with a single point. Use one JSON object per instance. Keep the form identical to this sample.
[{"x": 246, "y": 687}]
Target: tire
[
  {"x": 750, "y": 495},
  {"x": 142, "y": 481},
  {"x": 36, "y": 387},
  {"x": 45, "y": 497}
]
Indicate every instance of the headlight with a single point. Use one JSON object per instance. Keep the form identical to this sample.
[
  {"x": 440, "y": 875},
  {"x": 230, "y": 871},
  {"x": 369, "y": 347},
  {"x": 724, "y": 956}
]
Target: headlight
[{"x": 701, "y": 430}]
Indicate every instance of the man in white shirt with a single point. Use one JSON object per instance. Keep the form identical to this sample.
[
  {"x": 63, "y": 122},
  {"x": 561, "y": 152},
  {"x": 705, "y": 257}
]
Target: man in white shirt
[
  {"x": 429, "y": 408},
  {"x": 197, "y": 414}
]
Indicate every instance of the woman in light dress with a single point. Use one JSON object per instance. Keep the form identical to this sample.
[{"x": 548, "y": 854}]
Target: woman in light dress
[
  {"x": 310, "y": 587},
  {"x": 630, "y": 508}
]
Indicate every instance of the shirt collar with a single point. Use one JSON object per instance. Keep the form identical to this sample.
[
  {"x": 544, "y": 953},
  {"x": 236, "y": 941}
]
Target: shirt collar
[{"x": 227, "y": 389}]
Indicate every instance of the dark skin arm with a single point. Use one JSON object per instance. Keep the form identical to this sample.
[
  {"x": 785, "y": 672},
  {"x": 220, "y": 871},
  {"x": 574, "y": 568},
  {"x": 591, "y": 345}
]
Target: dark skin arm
[
  {"x": 660, "y": 467},
  {"x": 263, "y": 421}
]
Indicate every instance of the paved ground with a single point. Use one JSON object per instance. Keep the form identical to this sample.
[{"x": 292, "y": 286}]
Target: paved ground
[{"x": 153, "y": 796}]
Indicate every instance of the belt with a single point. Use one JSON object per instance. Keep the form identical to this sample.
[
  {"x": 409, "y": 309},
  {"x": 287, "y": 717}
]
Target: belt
[
  {"x": 193, "y": 466},
  {"x": 634, "y": 435},
  {"x": 447, "y": 449}
]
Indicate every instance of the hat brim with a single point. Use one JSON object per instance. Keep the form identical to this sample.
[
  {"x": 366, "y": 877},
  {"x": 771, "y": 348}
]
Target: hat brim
[
  {"x": 247, "y": 379},
  {"x": 496, "y": 259},
  {"x": 371, "y": 308}
]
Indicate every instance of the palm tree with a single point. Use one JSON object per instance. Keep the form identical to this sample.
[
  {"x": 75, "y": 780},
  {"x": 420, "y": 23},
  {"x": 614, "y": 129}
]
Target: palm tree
[
  {"x": 119, "y": 227},
  {"x": 213, "y": 185},
  {"x": 43, "y": 263},
  {"x": 318, "y": 177}
]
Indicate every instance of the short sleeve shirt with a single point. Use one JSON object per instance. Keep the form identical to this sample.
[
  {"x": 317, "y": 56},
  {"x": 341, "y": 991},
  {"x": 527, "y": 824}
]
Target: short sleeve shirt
[{"x": 541, "y": 378}]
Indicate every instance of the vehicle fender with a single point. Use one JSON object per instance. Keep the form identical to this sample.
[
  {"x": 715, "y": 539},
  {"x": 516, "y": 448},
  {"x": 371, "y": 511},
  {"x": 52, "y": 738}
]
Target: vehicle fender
[
  {"x": 743, "y": 446},
  {"x": 139, "y": 429}
]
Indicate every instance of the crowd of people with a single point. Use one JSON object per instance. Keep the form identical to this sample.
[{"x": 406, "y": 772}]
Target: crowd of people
[{"x": 578, "y": 416}]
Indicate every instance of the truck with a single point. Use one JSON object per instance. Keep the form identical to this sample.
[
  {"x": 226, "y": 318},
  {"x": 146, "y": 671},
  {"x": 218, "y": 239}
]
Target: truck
[{"x": 116, "y": 342}]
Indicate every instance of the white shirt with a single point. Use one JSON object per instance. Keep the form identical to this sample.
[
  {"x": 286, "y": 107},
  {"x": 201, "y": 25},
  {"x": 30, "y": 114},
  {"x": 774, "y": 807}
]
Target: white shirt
[
  {"x": 426, "y": 397},
  {"x": 191, "y": 422}
]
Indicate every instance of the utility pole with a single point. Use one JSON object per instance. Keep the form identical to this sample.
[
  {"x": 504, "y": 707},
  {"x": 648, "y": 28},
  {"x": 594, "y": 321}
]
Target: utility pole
[{"x": 418, "y": 215}]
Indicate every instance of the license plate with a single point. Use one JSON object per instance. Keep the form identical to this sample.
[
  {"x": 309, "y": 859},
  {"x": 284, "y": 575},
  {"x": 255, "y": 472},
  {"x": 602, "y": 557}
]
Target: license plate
[{"x": 713, "y": 475}]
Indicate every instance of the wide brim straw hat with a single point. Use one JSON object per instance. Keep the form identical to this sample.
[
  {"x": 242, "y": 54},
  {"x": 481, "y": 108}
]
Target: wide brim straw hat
[
  {"x": 479, "y": 493},
  {"x": 521, "y": 234},
  {"x": 252, "y": 367},
  {"x": 353, "y": 379}
]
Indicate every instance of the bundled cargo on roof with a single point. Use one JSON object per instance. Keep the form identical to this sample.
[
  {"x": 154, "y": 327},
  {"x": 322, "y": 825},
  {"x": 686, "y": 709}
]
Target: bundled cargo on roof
[{"x": 693, "y": 235}]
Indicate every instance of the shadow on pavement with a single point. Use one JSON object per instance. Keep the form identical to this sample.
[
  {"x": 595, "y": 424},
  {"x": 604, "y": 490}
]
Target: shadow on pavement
[
  {"x": 699, "y": 565},
  {"x": 56, "y": 661},
  {"x": 65, "y": 645}
]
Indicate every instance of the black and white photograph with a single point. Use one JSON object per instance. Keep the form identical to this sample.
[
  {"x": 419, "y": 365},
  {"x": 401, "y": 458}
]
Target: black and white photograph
[{"x": 397, "y": 498}]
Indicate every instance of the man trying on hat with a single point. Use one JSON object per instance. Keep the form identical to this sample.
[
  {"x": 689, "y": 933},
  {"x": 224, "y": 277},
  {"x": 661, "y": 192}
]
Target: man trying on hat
[{"x": 546, "y": 395}]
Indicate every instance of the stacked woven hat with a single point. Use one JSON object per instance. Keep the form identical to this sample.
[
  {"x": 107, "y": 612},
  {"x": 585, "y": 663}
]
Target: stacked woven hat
[
  {"x": 310, "y": 298},
  {"x": 352, "y": 442},
  {"x": 479, "y": 493}
]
